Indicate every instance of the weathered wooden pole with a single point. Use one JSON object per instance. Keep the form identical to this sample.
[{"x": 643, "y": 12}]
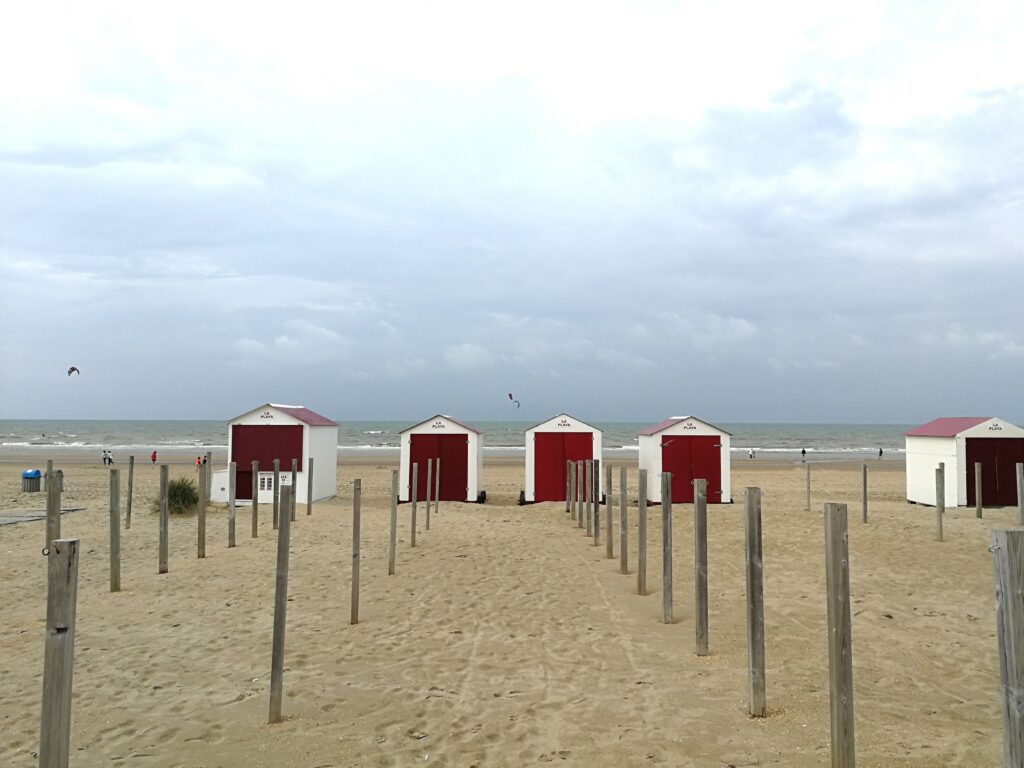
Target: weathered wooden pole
[
  {"x": 840, "y": 647},
  {"x": 277, "y": 491},
  {"x": 1020, "y": 494},
  {"x": 581, "y": 491},
  {"x": 940, "y": 499},
  {"x": 1008, "y": 556},
  {"x": 588, "y": 492},
  {"x": 808, "y": 466},
  {"x": 412, "y": 498},
  {"x": 209, "y": 474},
  {"x": 623, "y": 524},
  {"x": 52, "y": 505},
  {"x": 128, "y": 501},
  {"x": 437, "y": 486},
  {"x": 393, "y": 534},
  {"x": 58, "y": 652},
  {"x": 232, "y": 478},
  {"x": 700, "y": 565},
  {"x": 203, "y": 498},
  {"x": 295, "y": 487},
  {"x": 357, "y": 500},
  {"x": 641, "y": 533},
  {"x": 609, "y": 539},
  {"x": 430, "y": 489},
  {"x": 570, "y": 491},
  {"x": 978, "y": 503},
  {"x": 280, "y": 610},
  {"x": 755, "y": 604},
  {"x": 309, "y": 489},
  {"x": 864, "y": 493},
  {"x": 164, "y": 518},
  {"x": 568, "y": 483},
  {"x": 115, "y": 531},
  {"x": 666, "y": 547},
  {"x": 255, "y": 499}
]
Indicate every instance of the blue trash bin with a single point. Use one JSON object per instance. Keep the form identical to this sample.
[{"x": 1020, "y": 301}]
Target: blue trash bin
[{"x": 30, "y": 480}]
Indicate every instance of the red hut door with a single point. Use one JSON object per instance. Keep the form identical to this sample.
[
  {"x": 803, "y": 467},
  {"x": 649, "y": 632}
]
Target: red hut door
[
  {"x": 690, "y": 457},
  {"x": 999, "y": 458},
  {"x": 550, "y": 452},
  {"x": 453, "y": 450},
  {"x": 263, "y": 443}
]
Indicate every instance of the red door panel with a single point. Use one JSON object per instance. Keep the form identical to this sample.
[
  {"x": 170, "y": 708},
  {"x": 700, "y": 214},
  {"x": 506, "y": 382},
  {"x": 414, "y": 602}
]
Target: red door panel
[
  {"x": 690, "y": 457},
  {"x": 251, "y": 443},
  {"x": 453, "y": 450},
  {"x": 707, "y": 465},
  {"x": 998, "y": 457},
  {"x": 243, "y": 484},
  {"x": 551, "y": 450}
]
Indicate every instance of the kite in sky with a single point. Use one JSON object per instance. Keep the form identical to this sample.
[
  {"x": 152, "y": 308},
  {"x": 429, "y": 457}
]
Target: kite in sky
[
  {"x": 513, "y": 399},
  {"x": 72, "y": 369}
]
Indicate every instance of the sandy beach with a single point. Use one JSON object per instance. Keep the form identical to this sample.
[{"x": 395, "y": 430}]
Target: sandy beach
[{"x": 505, "y": 638}]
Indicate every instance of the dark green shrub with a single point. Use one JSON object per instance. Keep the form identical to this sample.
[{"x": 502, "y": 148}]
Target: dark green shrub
[{"x": 182, "y": 496}]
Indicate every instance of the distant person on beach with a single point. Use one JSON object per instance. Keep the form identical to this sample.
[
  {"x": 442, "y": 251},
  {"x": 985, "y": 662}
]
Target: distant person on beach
[
  {"x": 104, "y": 457},
  {"x": 152, "y": 457},
  {"x": 204, "y": 459},
  {"x": 879, "y": 454},
  {"x": 751, "y": 453},
  {"x": 199, "y": 460},
  {"x": 803, "y": 454}
]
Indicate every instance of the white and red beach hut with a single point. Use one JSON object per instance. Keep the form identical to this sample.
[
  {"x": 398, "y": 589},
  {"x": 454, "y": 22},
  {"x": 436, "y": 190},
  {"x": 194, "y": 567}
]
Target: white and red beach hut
[
  {"x": 460, "y": 449},
  {"x": 690, "y": 449},
  {"x": 959, "y": 442},
  {"x": 549, "y": 445},
  {"x": 284, "y": 432}
]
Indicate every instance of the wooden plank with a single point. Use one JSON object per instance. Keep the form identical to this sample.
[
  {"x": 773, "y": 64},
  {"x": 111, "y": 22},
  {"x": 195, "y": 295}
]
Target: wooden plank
[
  {"x": 808, "y": 466},
  {"x": 1020, "y": 494},
  {"x": 588, "y": 492},
  {"x": 164, "y": 519},
  {"x": 623, "y": 524},
  {"x": 128, "y": 501},
  {"x": 940, "y": 499},
  {"x": 437, "y": 486},
  {"x": 203, "y": 498},
  {"x": 755, "y": 604},
  {"x": 568, "y": 484},
  {"x": 277, "y": 491},
  {"x": 115, "y": 531},
  {"x": 280, "y": 611},
  {"x": 209, "y": 474},
  {"x": 232, "y": 479},
  {"x": 255, "y": 499},
  {"x": 1008, "y": 556},
  {"x": 59, "y": 652},
  {"x": 393, "y": 533},
  {"x": 52, "y": 505},
  {"x": 581, "y": 481},
  {"x": 864, "y": 493},
  {"x": 641, "y": 533},
  {"x": 666, "y": 547},
  {"x": 430, "y": 477},
  {"x": 357, "y": 500},
  {"x": 840, "y": 646},
  {"x": 700, "y": 565},
  {"x": 295, "y": 487},
  {"x": 309, "y": 489},
  {"x": 595, "y": 499},
  {"x": 412, "y": 499},
  {"x": 570, "y": 492},
  {"x": 978, "y": 502},
  {"x": 609, "y": 539}
]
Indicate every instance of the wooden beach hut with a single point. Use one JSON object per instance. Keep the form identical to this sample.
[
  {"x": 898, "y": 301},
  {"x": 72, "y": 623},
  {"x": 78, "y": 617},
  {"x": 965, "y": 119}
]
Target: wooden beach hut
[
  {"x": 283, "y": 432},
  {"x": 960, "y": 442},
  {"x": 460, "y": 449},
  {"x": 549, "y": 445},
  {"x": 690, "y": 449}
]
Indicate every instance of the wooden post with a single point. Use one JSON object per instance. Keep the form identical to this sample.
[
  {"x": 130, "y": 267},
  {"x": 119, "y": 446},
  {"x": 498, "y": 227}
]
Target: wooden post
[
  {"x": 1020, "y": 494},
  {"x": 570, "y": 492},
  {"x": 412, "y": 498},
  {"x": 864, "y": 493},
  {"x": 700, "y": 565},
  {"x": 641, "y": 533},
  {"x": 232, "y": 477},
  {"x": 393, "y": 535},
  {"x": 666, "y": 547},
  {"x": 309, "y": 489},
  {"x": 940, "y": 499},
  {"x": 209, "y": 474},
  {"x": 295, "y": 487},
  {"x": 115, "y": 531},
  {"x": 58, "y": 652},
  {"x": 595, "y": 498},
  {"x": 437, "y": 486},
  {"x": 568, "y": 483},
  {"x": 203, "y": 498},
  {"x": 277, "y": 491},
  {"x": 1008, "y": 556},
  {"x": 280, "y": 611},
  {"x": 430, "y": 478},
  {"x": 128, "y": 501},
  {"x": 978, "y": 503},
  {"x": 840, "y": 649},
  {"x": 581, "y": 483},
  {"x": 755, "y": 604},
  {"x": 357, "y": 500},
  {"x": 52, "y": 505},
  {"x": 255, "y": 499},
  {"x": 164, "y": 519},
  {"x": 588, "y": 492},
  {"x": 623, "y": 524},
  {"x": 808, "y": 466},
  {"x": 609, "y": 539}
]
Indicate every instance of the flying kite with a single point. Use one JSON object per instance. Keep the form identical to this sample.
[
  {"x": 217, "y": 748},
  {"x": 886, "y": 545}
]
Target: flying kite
[
  {"x": 513, "y": 399},
  {"x": 72, "y": 369}
]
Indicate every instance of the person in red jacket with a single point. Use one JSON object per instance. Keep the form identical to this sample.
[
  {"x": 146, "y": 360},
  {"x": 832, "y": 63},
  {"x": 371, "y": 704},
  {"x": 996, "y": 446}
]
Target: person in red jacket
[{"x": 152, "y": 457}]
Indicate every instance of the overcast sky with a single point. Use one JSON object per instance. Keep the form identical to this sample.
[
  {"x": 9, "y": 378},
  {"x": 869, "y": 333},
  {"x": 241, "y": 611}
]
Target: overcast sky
[{"x": 627, "y": 211}]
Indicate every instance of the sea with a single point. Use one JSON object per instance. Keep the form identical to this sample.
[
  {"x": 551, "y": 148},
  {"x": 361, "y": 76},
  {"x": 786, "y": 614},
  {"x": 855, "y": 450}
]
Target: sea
[{"x": 500, "y": 438}]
